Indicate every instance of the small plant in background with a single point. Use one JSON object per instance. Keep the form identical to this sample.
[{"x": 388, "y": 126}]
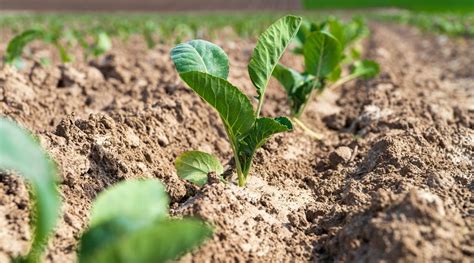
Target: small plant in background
[
  {"x": 149, "y": 30},
  {"x": 57, "y": 36},
  {"x": 326, "y": 48},
  {"x": 130, "y": 223},
  {"x": 205, "y": 67},
  {"x": 449, "y": 23},
  {"x": 20, "y": 152},
  {"x": 17, "y": 44}
]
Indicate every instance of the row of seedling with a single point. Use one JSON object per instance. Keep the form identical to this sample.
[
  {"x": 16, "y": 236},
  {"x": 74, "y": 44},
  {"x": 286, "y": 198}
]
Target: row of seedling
[
  {"x": 93, "y": 34},
  {"x": 122, "y": 231}
]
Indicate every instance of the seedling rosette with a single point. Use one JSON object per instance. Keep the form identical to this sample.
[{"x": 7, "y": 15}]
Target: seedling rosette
[
  {"x": 204, "y": 67},
  {"x": 326, "y": 47}
]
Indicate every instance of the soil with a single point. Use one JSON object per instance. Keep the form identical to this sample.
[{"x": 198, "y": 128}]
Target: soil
[{"x": 391, "y": 181}]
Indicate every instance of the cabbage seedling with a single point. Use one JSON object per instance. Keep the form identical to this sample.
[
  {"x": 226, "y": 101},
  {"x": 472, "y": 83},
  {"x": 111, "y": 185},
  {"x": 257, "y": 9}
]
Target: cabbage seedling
[
  {"x": 21, "y": 153},
  {"x": 205, "y": 67},
  {"x": 53, "y": 36},
  {"x": 18, "y": 43},
  {"x": 324, "y": 48},
  {"x": 122, "y": 231}
]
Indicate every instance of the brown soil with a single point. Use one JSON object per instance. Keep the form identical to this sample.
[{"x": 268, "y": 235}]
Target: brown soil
[{"x": 391, "y": 181}]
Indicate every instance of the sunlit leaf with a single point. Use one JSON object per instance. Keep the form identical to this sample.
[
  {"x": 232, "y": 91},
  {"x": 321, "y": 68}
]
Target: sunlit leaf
[
  {"x": 270, "y": 47},
  {"x": 263, "y": 129},
  {"x": 322, "y": 53},
  {"x": 121, "y": 240},
  {"x": 233, "y": 106},
  {"x": 121, "y": 201},
  {"x": 202, "y": 56},
  {"x": 195, "y": 165}
]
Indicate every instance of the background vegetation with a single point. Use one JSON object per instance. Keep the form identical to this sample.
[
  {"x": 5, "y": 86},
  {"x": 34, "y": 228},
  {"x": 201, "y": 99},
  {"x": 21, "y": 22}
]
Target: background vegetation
[{"x": 426, "y": 5}]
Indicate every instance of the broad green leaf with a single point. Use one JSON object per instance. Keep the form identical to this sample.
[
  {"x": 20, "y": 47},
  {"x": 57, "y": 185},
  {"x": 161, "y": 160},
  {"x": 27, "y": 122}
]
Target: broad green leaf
[
  {"x": 322, "y": 53},
  {"x": 366, "y": 69},
  {"x": 260, "y": 133},
  {"x": 202, "y": 56},
  {"x": 195, "y": 165},
  {"x": 20, "y": 152},
  {"x": 337, "y": 30},
  {"x": 288, "y": 78},
  {"x": 233, "y": 106},
  {"x": 105, "y": 235},
  {"x": 141, "y": 201},
  {"x": 159, "y": 242},
  {"x": 17, "y": 44},
  {"x": 270, "y": 47}
]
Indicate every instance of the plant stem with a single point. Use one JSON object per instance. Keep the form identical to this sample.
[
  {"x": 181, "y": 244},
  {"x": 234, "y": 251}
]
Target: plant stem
[
  {"x": 242, "y": 179},
  {"x": 260, "y": 104},
  {"x": 307, "y": 130},
  {"x": 308, "y": 101},
  {"x": 238, "y": 166},
  {"x": 343, "y": 81}
]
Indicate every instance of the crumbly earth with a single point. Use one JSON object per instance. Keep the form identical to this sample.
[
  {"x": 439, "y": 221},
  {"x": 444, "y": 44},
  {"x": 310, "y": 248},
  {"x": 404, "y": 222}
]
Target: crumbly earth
[{"x": 391, "y": 181}]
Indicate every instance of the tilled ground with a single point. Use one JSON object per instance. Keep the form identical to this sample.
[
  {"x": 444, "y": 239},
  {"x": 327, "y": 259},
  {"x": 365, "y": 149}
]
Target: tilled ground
[{"x": 392, "y": 180}]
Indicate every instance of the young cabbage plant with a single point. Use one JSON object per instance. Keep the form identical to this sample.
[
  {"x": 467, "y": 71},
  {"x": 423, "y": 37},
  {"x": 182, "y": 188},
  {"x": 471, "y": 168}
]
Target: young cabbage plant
[
  {"x": 204, "y": 67},
  {"x": 348, "y": 35},
  {"x": 149, "y": 30},
  {"x": 324, "y": 48},
  {"x": 322, "y": 54},
  {"x": 21, "y": 153},
  {"x": 18, "y": 43},
  {"x": 54, "y": 36},
  {"x": 101, "y": 44},
  {"x": 122, "y": 231}
]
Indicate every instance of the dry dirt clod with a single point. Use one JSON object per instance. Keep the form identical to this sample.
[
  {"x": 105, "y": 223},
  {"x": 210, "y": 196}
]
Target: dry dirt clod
[
  {"x": 213, "y": 178},
  {"x": 341, "y": 155}
]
